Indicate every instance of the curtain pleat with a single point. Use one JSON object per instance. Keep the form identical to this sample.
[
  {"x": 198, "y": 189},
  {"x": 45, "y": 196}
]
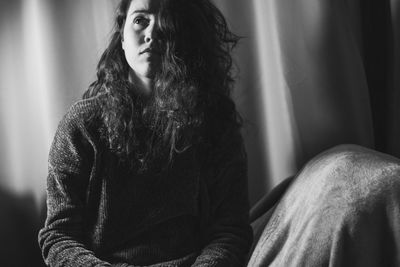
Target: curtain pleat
[
  {"x": 326, "y": 73},
  {"x": 393, "y": 145},
  {"x": 49, "y": 51}
]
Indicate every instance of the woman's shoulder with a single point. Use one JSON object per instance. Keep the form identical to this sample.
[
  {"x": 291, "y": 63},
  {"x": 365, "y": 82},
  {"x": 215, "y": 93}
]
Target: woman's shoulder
[
  {"x": 83, "y": 114},
  {"x": 85, "y": 109}
]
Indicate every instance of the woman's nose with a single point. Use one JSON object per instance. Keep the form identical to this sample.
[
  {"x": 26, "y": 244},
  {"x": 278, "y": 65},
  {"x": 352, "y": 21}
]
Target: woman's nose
[
  {"x": 148, "y": 39},
  {"x": 151, "y": 33}
]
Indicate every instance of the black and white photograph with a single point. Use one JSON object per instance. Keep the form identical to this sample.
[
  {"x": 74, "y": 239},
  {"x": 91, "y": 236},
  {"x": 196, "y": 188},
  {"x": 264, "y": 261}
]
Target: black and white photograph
[{"x": 199, "y": 133}]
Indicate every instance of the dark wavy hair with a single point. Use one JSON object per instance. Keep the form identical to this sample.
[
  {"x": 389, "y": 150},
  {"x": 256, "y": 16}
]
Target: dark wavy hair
[{"x": 190, "y": 105}]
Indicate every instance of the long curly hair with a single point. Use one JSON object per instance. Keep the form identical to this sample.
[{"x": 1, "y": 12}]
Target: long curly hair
[{"x": 191, "y": 104}]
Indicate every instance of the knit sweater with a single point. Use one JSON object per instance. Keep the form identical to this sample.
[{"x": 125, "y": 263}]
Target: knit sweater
[{"x": 103, "y": 214}]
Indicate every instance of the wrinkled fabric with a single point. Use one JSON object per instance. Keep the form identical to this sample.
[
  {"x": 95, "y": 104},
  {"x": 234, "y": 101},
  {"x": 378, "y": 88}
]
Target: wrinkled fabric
[{"x": 342, "y": 209}]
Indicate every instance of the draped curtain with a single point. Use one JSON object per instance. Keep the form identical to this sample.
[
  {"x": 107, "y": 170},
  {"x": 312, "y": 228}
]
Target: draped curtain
[
  {"x": 315, "y": 74},
  {"x": 49, "y": 51},
  {"x": 311, "y": 74}
]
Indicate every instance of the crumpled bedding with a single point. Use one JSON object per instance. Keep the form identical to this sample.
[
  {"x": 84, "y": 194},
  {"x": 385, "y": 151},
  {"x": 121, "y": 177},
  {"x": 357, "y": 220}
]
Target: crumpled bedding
[{"x": 342, "y": 209}]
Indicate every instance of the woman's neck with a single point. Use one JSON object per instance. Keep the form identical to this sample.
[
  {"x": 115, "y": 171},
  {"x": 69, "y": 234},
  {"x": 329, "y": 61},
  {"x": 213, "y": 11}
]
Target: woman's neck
[{"x": 143, "y": 85}]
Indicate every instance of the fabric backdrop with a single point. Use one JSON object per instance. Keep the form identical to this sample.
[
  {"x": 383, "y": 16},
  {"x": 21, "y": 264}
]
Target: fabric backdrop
[{"x": 312, "y": 74}]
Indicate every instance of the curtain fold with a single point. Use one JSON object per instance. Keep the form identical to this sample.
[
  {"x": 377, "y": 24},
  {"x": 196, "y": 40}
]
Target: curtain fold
[
  {"x": 327, "y": 73},
  {"x": 48, "y": 52},
  {"x": 394, "y": 130}
]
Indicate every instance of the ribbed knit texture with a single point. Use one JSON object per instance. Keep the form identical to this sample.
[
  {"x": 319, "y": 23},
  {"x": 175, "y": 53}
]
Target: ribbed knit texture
[{"x": 103, "y": 214}]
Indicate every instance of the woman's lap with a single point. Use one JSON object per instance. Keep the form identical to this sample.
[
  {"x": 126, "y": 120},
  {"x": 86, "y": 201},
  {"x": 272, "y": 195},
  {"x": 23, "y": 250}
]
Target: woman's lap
[{"x": 342, "y": 209}]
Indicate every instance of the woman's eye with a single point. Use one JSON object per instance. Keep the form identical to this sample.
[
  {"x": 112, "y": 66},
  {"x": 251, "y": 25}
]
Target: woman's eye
[{"x": 141, "y": 21}]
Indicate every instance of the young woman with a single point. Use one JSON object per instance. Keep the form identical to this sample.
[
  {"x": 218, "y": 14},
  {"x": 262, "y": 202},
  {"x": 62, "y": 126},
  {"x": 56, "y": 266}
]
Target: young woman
[{"x": 149, "y": 168}]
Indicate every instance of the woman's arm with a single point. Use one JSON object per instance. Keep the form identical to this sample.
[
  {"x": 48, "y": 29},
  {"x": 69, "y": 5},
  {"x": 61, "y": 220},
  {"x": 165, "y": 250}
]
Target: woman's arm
[
  {"x": 229, "y": 235},
  {"x": 62, "y": 237}
]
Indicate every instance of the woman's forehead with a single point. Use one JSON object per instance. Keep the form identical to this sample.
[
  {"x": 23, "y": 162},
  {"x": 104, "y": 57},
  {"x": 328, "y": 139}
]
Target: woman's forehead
[{"x": 146, "y": 6}]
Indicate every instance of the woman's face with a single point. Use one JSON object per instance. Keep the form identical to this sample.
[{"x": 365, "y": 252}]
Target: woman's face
[{"x": 139, "y": 41}]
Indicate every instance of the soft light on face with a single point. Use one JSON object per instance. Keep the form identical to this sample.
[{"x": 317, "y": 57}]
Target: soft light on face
[{"x": 140, "y": 42}]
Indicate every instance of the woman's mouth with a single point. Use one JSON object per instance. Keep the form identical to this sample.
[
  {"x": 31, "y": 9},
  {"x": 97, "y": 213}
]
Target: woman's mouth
[{"x": 149, "y": 50}]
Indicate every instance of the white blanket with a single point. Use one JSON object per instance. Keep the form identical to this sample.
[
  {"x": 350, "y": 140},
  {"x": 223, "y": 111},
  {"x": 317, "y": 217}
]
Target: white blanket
[{"x": 342, "y": 209}]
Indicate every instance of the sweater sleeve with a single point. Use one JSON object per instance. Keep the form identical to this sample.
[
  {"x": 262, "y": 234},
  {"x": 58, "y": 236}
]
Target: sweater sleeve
[
  {"x": 61, "y": 239},
  {"x": 228, "y": 234}
]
